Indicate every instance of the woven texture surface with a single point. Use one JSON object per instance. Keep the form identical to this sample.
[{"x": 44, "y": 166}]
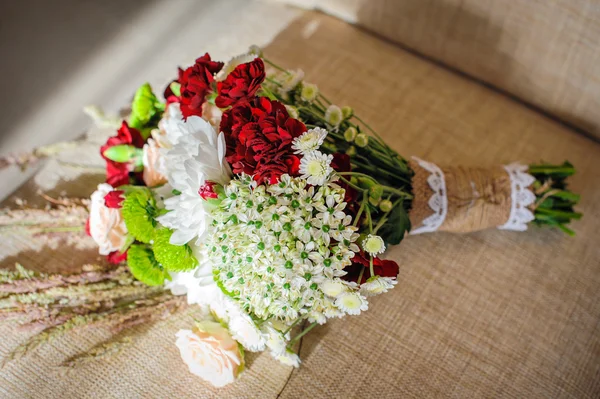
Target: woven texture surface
[
  {"x": 487, "y": 314},
  {"x": 544, "y": 52}
]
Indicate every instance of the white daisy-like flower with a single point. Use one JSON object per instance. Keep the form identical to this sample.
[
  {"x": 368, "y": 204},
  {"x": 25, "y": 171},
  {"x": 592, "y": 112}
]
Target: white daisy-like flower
[
  {"x": 373, "y": 245},
  {"x": 197, "y": 156},
  {"x": 316, "y": 168},
  {"x": 170, "y": 126},
  {"x": 244, "y": 330},
  {"x": 333, "y": 288},
  {"x": 351, "y": 303},
  {"x": 288, "y": 358},
  {"x": 377, "y": 285},
  {"x": 291, "y": 80},
  {"x": 232, "y": 64},
  {"x": 334, "y": 116},
  {"x": 309, "y": 141},
  {"x": 309, "y": 92}
]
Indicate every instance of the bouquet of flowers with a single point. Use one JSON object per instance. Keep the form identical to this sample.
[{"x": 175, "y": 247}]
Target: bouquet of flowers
[{"x": 248, "y": 191}]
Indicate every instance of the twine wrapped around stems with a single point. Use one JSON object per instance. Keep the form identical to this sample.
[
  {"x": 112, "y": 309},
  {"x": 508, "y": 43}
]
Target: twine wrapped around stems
[{"x": 478, "y": 198}]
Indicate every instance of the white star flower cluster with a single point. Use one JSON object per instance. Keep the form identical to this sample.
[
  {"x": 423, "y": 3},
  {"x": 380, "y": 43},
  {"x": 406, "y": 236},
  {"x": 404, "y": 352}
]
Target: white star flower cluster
[{"x": 280, "y": 249}]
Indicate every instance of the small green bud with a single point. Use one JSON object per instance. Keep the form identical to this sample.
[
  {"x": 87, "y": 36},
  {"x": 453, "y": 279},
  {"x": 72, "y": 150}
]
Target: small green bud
[
  {"x": 374, "y": 201},
  {"x": 309, "y": 92},
  {"x": 351, "y": 151},
  {"x": 123, "y": 153},
  {"x": 347, "y": 112},
  {"x": 350, "y": 134},
  {"x": 385, "y": 205},
  {"x": 375, "y": 191},
  {"x": 361, "y": 140}
]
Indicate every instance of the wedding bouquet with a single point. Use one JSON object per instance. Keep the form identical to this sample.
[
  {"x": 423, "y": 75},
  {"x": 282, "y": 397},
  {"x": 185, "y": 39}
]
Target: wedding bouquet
[{"x": 252, "y": 194}]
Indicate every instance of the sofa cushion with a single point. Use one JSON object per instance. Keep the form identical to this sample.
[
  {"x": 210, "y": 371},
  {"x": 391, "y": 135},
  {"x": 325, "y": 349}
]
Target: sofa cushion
[
  {"x": 488, "y": 314},
  {"x": 544, "y": 52}
]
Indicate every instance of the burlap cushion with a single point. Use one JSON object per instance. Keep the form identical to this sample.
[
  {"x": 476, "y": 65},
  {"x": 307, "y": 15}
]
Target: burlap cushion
[
  {"x": 544, "y": 52},
  {"x": 488, "y": 314}
]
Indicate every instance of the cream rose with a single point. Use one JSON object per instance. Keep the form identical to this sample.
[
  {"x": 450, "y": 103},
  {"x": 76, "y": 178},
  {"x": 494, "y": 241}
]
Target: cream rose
[
  {"x": 154, "y": 165},
  {"x": 210, "y": 353},
  {"x": 107, "y": 226}
]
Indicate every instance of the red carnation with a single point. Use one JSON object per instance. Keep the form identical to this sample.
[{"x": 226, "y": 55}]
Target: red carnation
[
  {"x": 241, "y": 84},
  {"x": 196, "y": 83},
  {"x": 381, "y": 267},
  {"x": 116, "y": 257},
  {"x": 114, "y": 199},
  {"x": 117, "y": 173},
  {"x": 207, "y": 191},
  {"x": 259, "y": 138}
]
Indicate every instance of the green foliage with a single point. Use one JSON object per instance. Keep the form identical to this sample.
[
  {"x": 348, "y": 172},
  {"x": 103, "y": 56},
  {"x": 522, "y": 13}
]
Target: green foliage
[
  {"x": 139, "y": 211},
  {"x": 554, "y": 204},
  {"x": 176, "y": 258},
  {"x": 146, "y": 109},
  {"x": 144, "y": 266},
  {"x": 396, "y": 226}
]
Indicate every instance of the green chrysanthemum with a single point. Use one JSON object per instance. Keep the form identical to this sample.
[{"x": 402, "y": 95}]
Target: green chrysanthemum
[
  {"x": 146, "y": 109},
  {"x": 144, "y": 266},
  {"x": 176, "y": 258},
  {"x": 139, "y": 211}
]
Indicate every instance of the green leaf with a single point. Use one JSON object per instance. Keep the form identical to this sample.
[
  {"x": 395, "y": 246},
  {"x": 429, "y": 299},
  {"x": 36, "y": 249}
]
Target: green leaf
[
  {"x": 176, "y": 88},
  {"x": 394, "y": 229},
  {"x": 176, "y": 258},
  {"x": 139, "y": 211},
  {"x": 144, "y": 266}
]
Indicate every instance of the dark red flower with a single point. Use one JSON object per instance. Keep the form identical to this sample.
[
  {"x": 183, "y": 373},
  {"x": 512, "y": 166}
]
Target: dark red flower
[
  {"x": 381, "y": 267},
  {"x": 117, "y": 173},
  {"x": 259, "y": 138},
  {"x": 241, "y": 84},
  {"x": 196, "y": 83},
  {"x": 114, "y": 199},
  {"x": 116, "y": 257},
  {"x": 341, "y": 163},
  {"x": 207, "y": 190}
]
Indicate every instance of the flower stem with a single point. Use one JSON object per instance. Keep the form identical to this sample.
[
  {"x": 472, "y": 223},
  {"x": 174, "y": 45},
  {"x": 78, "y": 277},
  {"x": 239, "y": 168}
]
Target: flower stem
[{"x": 303, "y": 333}]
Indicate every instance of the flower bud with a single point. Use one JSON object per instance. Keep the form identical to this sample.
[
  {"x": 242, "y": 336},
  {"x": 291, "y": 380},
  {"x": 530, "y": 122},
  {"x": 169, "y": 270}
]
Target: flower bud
[
  {"x": 361, "y": 140},
  {"x": 309, "y": 92},
  {"x": 254, "y": 49},
  {"x": 333, "y": 115},
  {"x": 374, "y": 201},
  {"x": 123, "y": 153},
  {"x": 375, "y": 191},
  {"x": 385, "y": 205},
  {"x": 351, "y": 151},
  {"x": 350, "y": 134},
  {"x": 347, "y": 112},
  {"x": 292, "y": 111}
]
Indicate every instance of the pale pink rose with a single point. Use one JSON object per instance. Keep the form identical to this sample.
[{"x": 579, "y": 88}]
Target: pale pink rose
[
  {"x": 154, "y": 165},
  {"x": 107, "y": 226},
  {"x": 210, "y": 353}
]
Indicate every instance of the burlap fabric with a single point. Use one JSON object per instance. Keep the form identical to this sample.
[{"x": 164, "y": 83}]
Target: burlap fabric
[
  {"x": 543, "y": 52},
  {"x": 486, "y": 314},
  {"x": 478, "y": 198}
]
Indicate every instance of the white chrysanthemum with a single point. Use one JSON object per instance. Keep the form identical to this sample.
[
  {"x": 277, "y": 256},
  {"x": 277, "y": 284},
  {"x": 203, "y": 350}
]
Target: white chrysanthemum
[
  {"x": 377, "y": 285},
  {"x": 309, "y": 92},
  {"x": 351, "y": 303},
  {"x": 316, "y": 168},
  {"x": 333, "y": 288},
  {"x": 197, "y": 156},
  {"x": 291, "y": 80},
  {"x": 170, "y": 127},
  {"x": 244, "y": 330},
  {"x": 373, "y": 245},
  {"x": 232, "y": 64},
  {"x": 334, "y": 116},
  {"x": 309, "y": 141}
]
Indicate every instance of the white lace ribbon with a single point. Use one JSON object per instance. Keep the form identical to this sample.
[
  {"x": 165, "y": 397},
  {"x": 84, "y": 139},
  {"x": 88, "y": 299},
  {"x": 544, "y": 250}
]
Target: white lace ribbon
[
  {"x": 438, "y": 201},
  {"x": 521, "y": 197}
]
